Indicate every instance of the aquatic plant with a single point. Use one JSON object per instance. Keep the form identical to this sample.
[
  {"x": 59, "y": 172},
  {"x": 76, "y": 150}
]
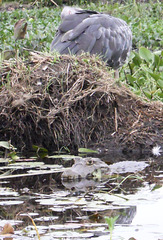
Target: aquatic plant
[
  {"x": 111, "y": 222},
  {"x": 144, "y": 73}
]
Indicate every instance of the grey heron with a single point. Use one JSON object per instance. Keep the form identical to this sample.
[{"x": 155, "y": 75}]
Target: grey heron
[{"x": 93, "y": 32}]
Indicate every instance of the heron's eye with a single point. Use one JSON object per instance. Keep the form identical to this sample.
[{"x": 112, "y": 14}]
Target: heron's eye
[{"x": 90, "y": 162}]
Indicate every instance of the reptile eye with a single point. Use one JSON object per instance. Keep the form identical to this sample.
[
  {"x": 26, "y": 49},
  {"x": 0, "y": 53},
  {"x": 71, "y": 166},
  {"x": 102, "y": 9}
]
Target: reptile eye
[{"x": 90, "y": 162}]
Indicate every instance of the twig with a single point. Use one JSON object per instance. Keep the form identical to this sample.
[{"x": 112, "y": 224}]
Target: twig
[
  {"x": 116, "y": 121},
  {"x": 27, "y": 215},
  {"x": 38, "y": 235},
  {"x": 54, "y": 3}
]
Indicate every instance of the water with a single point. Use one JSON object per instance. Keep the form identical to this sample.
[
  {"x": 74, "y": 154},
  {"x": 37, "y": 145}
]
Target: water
[{"x": 33, "y": 191}]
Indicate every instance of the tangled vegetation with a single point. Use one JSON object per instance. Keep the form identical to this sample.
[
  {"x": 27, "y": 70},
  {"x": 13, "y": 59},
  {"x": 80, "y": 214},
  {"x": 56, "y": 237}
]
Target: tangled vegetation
[{"x": 74, "y": 101}]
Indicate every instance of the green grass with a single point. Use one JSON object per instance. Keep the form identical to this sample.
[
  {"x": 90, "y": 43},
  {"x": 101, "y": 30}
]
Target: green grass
[{"x": 42, "y": 25}]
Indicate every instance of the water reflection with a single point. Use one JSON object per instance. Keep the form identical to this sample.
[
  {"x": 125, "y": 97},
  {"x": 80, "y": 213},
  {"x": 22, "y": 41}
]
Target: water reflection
[{"x": 76, "y": 209}]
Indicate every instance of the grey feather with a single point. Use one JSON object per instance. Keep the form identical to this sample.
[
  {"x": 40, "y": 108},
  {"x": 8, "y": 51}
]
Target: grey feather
[{"x": 95, "y": 33}]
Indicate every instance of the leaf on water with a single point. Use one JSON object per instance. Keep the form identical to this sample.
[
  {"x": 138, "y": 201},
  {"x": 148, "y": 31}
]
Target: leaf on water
[
  {"x": 13, "y": 155},
  {"x": 64, "y": 157},
  {"x": 86, "y": 150},
  {"x": 42, "y": 152},
  {"x": 35, "y": 173},
  {"x": 6, "y": 145},
  {"x": 20, "y": 29},
  {"x": 157, "y": 186},
  {"x": 4, "y": 160},
  {"x": 23, "y": 165}
]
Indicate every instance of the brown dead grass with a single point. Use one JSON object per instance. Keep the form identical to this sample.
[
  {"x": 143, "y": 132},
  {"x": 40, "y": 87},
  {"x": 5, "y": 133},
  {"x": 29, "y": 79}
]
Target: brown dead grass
[{"x": 73, "y": 102}]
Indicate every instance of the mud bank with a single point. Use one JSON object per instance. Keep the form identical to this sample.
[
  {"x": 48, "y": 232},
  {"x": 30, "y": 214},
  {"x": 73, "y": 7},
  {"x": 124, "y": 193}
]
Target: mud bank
[{"x": 74, "y": 102}]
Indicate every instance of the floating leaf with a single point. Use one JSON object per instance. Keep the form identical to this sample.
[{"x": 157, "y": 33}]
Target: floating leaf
[
  {"x": 157, "y": 186},
  {"x": 6, "y": 145},
  {"x": 66, "y": 157},
  {"x": 41, "y": 152},
  {"x": 86, "y": 150},
  {"x": 13, "y": 155}
]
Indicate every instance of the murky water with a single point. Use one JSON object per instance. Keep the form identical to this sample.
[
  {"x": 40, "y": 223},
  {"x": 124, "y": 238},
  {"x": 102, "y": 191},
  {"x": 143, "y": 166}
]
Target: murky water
[{"x": 33, "y": 191}]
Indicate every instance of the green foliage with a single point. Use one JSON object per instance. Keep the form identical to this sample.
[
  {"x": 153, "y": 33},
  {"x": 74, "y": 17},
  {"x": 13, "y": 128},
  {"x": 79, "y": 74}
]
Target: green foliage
[
  {"x": 145, "y": 22},
  {"x": 86, "y": 150},
  {"x": 9, "y": 150},
  {"x": 40, "y": 151},
  {"x": 42, "y": 25},
  {"x": 6, "y": 145},
  {"x": 146, "y": 73}
]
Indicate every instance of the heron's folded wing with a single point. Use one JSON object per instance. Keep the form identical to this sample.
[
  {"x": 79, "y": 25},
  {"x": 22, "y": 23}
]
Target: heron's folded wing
[{"x": 97, "y": 34}]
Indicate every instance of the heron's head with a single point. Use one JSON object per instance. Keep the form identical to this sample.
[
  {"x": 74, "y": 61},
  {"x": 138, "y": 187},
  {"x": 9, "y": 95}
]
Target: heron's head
[{"x": 68, "y": 10}]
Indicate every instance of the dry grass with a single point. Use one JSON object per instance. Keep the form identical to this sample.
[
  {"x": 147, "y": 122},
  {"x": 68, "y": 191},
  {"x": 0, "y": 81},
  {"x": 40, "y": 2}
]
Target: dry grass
[{"x": 74, "y": 102}]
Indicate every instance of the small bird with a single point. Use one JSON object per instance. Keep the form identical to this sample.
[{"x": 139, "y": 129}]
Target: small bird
[
  {"x": 20, "y": 29},
  {"x": 95, "y": 33}
]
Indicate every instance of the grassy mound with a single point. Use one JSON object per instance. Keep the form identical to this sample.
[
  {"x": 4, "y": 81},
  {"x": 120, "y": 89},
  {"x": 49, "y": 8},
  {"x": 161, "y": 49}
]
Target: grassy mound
[{"x": 74, "y": 102}]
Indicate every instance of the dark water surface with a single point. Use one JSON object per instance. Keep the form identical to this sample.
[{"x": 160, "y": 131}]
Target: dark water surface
[{"x": 76, "y": 209}]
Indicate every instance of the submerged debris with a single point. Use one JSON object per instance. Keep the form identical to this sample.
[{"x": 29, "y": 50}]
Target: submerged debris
[{"x": 74, "y": 102}]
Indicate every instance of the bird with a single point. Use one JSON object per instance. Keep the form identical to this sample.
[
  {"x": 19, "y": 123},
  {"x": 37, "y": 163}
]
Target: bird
[{"x": 93, "y": 32}]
